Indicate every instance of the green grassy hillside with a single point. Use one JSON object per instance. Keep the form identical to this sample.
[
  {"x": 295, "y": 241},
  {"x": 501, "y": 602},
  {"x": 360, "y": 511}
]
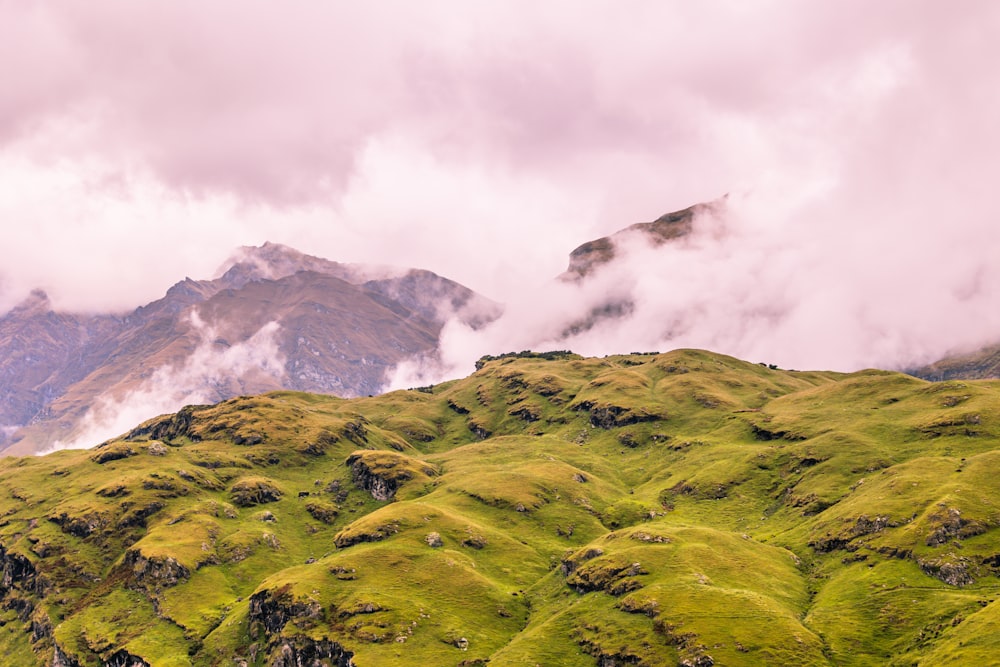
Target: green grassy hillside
[{"x": 676, "y": 509}]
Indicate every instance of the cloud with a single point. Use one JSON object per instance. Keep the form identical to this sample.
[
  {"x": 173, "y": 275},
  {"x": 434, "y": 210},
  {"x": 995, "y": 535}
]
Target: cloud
[
  {"x": 751, "y": 282},
  {"x": 206, "y": 375},
  {"x": 483, "y": 141}
]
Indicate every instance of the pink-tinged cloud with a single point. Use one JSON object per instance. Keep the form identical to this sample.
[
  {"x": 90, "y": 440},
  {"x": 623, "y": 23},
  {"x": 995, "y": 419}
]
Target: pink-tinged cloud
[{"x": 486, "y": 140}]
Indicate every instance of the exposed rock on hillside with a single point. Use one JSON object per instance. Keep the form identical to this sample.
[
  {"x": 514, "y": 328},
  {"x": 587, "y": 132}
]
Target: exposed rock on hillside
[
  {"x": 252, "y": 491},
  {"x": 382, "y": 473},
  {"x": 155, "y": 572},
  {"x": 271, "y": 611}
]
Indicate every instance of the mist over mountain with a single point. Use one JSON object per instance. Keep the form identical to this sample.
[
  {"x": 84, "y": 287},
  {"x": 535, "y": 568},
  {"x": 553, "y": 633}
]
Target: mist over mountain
[
  {"x": 275, "y": 318},
  {"x": 753, "y": 281},
  {"x": 591, "y": 255},
  {"x": 978, "y": 364}
]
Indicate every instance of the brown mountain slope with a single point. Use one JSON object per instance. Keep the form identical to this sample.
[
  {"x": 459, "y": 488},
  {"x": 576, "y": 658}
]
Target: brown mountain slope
[
  {"x": 40, "y": 354},
  {"x": 274, "y": 319},
  {"x": 979, "y": 365}
]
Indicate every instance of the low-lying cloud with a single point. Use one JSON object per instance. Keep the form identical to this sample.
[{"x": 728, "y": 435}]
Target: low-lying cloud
[
  {"x": 483, "y": 141},
  {"x": 753, "y": 282},
  {"x": 207, "y": 375}
]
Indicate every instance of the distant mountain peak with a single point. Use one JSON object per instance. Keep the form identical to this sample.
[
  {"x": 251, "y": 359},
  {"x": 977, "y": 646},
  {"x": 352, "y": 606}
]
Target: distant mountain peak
[
  {"x": 269, "y": 261},
  {"x": 275, "y": 254},
  {"x": 273, "y": 261},
  {"x": 676, "y": 224},
  {"x": 37, "y": 301}
]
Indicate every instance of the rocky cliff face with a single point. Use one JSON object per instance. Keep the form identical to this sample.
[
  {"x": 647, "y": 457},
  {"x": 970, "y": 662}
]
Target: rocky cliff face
[
  {"x": 275, "y": 318},
  {"x": 271, "y": 611}
]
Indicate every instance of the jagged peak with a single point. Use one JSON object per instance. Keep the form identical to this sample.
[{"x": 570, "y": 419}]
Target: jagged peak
[
  {"x": 267, "y": 261},
  {"x": 189, "y": 288},
  {"x": 273, "y": 261}
]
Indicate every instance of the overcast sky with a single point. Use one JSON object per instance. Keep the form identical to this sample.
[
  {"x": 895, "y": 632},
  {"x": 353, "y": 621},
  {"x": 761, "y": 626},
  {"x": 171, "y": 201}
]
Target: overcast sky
[{"x": 141, "y": 142}]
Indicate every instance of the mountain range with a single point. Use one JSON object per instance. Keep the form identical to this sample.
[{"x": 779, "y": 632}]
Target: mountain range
[
  {"x": 275, "y": 318},
  {"x": 680, "y": 509}
]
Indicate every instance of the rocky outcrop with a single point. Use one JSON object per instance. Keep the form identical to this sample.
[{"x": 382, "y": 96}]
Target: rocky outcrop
[
  {"x": 252, "y": 491},
  {"x": 323, "y": 512},
  {"x": 611, "y": 575},
  {"x": 81, "y": 526},
  {"x": 381, "y": 488},
  {"x": 767, "y": 434},
  {"x": 353, "y": 535},
  {"x": 154, "y": 572},
  {"x": 18, "y": 573},
  {"x": 381, "y": 473},
  {"x": 21, "y": 590},
  {"x": 120, "y": 658},
  {"x": 478, "y": 429},
  {"x": 135, "y": 515},
  {"x": 300, "y": 651},
  {"x": 111, "y": 452},
  {"x": 951, "y": 525},
  {"x": 61, "y": 659},
  {"x": 569, "y": 565},
  {"x": 620, "y": 656},
  {"x": 271, "y": 610},
  {"x": 169, "y": 427},
  {"x": 607, "y": 416},
  {"x": 863, "y": 525},
  {"x": 124, "y": 659},
  {"x": 526, "y": 412},
  {"x": 954, "y": 571}
]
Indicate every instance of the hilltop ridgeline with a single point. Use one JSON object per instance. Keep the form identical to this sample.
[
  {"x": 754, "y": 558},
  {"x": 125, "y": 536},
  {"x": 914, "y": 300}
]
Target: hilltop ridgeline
[{"x": 650, "y": 509}]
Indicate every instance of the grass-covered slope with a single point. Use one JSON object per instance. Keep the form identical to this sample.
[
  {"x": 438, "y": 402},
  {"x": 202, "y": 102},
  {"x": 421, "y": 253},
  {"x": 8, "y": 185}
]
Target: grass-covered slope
[{"x": 676, "y": 509}]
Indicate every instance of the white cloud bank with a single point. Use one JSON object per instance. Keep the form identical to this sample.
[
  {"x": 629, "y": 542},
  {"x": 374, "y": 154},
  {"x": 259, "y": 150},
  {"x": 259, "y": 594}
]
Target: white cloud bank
[
  {"x": 756, "y": 283},
  {"x": 142, "y": 142},
  {"x": 203, "y": 376}
]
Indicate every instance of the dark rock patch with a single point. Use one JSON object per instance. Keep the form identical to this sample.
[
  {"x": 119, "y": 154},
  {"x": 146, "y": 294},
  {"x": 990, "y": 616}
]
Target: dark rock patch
[{"x": 254, "y": 491}]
